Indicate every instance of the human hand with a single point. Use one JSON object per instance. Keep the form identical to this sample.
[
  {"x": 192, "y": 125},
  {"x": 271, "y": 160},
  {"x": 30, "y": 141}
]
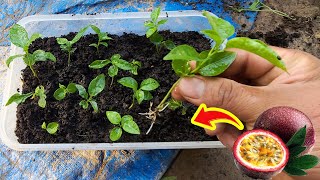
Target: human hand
[{"x": 252, "y": 85}]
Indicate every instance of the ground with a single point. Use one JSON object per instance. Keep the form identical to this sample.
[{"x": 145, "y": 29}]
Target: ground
[{"x": 303, "y": 33}]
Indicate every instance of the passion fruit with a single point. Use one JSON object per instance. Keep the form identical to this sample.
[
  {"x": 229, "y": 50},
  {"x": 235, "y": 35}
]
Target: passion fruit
[
  {"x": 285, "y": 122},
  {"x": 260, "y": 154}
]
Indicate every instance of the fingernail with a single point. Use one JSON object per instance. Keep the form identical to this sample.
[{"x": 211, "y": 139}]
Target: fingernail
[{"x": 192, "y": 87}]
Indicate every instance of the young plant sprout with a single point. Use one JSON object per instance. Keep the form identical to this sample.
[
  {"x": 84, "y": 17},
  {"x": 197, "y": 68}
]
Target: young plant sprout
[
  {"x": 214, "y": 61},
  {"x": 116, "y": 64},
  {"x": 125, "y": 122},
  {"x": 102, "y": 38},
  {"x": 20, "y": 98},
  {"x": 175, "y": 104},
  {"x": 19, "y": 37},
  {"x": 66, "y": 45},
  {"x": 95, "y": 87},
  {"x": 51, "y": 128},
  {"x": 152, "y": 33},
  {"x": 143, "y": 93},
  {"x": 257, "y": 5},
  {"x": 62, "y": 91}
]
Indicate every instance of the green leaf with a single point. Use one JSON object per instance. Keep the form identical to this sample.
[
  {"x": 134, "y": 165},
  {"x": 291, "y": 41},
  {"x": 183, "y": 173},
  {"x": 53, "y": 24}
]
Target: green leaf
[
  {"x": 155, "y": 14},
  {"x": 156, "y": 38},
  {"x": 40, "y": 55},
  {"x": 147, "y": 95},
  {"x": 82, "y": 91},
  {"x": 257, "y": 47},
  {"x": 151, "y": 31},
  {"x": 97, "y": 85},
  {"x": 294, "y": 171},
  {"x": 104, "y": 36},
  {"x": 174, "y": 104},
  {"x": 114, "y": 117},
  {"x": 218, "y": 64},
  {"x": 71, "y": 88},
  {"x": 29, "y": 59},
  {"x": 134, "y": 70},
  {"x": 169, "y": 44},
  {"x": 149, "y": 24},
  {"x": 40, "y": 92},
  {"x": 295, "y": 151},
  {"x": 129, "y": 82},
  {"x": 112, "y": 71},
  {"x": 136, "y": 63},
  {"x": 181, "y": 67},
  {"x": 42, "y": 101},
  {"x": 183, "y": 52},
  {"x": 104, "y": 44},
  {"x": 44, "y": 125},
  {"x": 122, "y": 64},
  {"x": 79, "y": 35},
  {"x": 139, "y": 95},
  {"x": 59, "y": 94},
  {"x": 169, "y": 178},
  {"x": 298, "y": 138},
  {"x": 304, "y": 162},
  {"x": 34, "y": 37},
  {"x": 11, "y": 58},
  {"x": 52, "y": 127},
  {"x": 215, "y": 36},
  {"x": 97, "y": 64},
  {"x": 62, "y": 41},
  {"x": 94, "y": 45},
  {"x": 95, "y": 29},
  {"x": 129, "y": 125},
  {"x": 94, "y": 105},
  {"x": 18, "y": 98},
  {"x": 115, "y": 134},
  {"x": 84, "y": 104},
  {"x": 162, "y": 21},
  {"x": 18, "y": 36},
  {"x": 149, "y": 84},
  {"x": 204, "y": 54}
]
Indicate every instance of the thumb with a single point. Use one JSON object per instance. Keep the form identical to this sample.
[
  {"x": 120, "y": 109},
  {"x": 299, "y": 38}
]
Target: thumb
[{"x": 246, "y": 102}]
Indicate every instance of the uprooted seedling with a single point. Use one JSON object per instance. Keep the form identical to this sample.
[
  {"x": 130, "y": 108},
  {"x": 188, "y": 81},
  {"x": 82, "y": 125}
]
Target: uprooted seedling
[
  {"x": 66, "y": 45},
  {"x": 95, "y": 87},
  {"x": 62, "y": 91},
  {"x": 19, "y": 37},
  {"x": 214, "y": 61},
  {"x": 125, "y": 122},
  {"x": 102, "y": 38},
  {"x": 143, "y": 93},
  {"x": 152, "y": 33},
  {"x": 51, "y": 128},
  {"x": 116, "y": 64},
  {"x": 20, "y": 98}
]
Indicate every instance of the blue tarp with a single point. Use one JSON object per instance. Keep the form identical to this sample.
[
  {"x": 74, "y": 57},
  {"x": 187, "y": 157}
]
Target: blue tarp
[{"x": 148, "y": 164}]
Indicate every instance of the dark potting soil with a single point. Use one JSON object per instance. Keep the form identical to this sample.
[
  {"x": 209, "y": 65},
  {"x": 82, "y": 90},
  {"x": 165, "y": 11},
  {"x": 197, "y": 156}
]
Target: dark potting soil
[{"x": 78, "y": 125}]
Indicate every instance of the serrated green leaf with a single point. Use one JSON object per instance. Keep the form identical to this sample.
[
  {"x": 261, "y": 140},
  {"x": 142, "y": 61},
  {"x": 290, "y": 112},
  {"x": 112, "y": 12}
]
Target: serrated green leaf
[
  {"x": 155, "y": 14},
  {"x": 18, "y": 36},
  {"x": 71, "y": 88},
  {"x": 149, "y": 84},
  {"x": 94, "y": 105},
  {"x": 298, "y": 138},
  {"x": 59, "y": 94},
  {"x": 97, "y": 85},
  {"x": 295, "y": 151},
  {"x": 128, "y": 125},
  {"x": 181, "y": 67},
  {"x": 11, "y": 58},
  {"x": 44, "y": 125},
  {"x": 115, "y": 134},
  {"x": 147, "y": 95},
  {"x": 257, "y": 47},
  {"x": 114, "y": 117},
  {"x": 82, "y": 91},
  {"x": 113, "y": 71},
  {"x": 217, "y": 66},
  {"x": 52, "y": 127},
  {"x": 84, "y": 104},
  {"x": 97, "y": 64},
  {"x": 79, "y": 35},
  {"x": 129, "y": 82},
  {"x": 18, "y": 98},
  {"x": 139, "y": 95},
  {"x": 294, "y": 171},
  {"x": 304, "y": 162},
  {"x": 183, "y": 52}
]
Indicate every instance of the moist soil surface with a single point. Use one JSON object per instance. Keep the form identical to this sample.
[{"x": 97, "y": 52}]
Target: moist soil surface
[{"x": 78, "y": 125}]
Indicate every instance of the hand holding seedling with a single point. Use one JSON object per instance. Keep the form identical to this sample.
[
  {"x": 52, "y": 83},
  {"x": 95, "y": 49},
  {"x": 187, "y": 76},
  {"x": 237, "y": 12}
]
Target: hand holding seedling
[{"x": 251, "y": 85}]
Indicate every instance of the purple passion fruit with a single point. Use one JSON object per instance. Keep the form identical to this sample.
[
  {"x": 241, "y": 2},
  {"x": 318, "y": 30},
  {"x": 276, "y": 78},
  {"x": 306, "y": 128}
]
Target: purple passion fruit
[{"x": 260, "y": 154}]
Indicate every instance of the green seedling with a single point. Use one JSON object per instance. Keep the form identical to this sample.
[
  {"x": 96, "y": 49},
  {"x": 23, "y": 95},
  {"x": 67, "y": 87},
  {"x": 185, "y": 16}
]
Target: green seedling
[
  {"x": 116, "y": 64},
  {"x": 125, "y": 122},
  {"x": 66, "y": 45},
  {"x": 20, "y": 98},
  {"x": 102, "y": 38},
  {"x": 143, "y": 93},
  {"x": 19, "y": 37},
  {"x": 214, "y": 61},
  {"x": 62, "y": 91},
  {"x": 175, "y": 104},
  {"x": 152, "y": 33},
  {"x": 51, "y": 128},
  {"x": 95, "y": 87},
  {"x": 258, "y": 6}
]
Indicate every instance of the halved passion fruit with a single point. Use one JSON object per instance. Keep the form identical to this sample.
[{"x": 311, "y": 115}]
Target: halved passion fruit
[{"x": 260, "y": 154}]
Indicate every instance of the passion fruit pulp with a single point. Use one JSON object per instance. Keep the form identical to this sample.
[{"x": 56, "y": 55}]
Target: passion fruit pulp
[{"x": 260, "y": 154}]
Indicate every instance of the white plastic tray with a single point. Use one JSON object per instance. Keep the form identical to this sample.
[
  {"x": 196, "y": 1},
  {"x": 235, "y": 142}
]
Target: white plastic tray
[{"x": 117, "y": 23}]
